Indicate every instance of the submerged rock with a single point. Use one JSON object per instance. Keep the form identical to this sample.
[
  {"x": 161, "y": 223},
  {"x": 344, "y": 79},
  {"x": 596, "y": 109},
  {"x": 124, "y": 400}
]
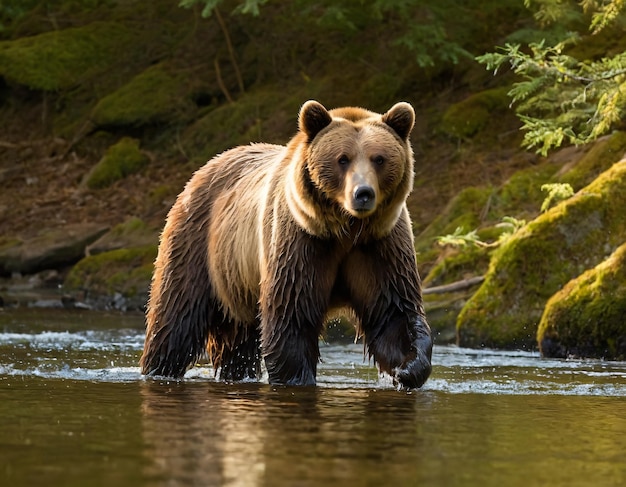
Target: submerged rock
[{"x": 587, "y": 317}]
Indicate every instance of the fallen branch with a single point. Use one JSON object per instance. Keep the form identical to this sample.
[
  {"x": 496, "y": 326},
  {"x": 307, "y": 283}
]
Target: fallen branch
[
  {"x": 31, "y": 143},
  {"x": 9, "y": 145},
  {"x": 454, "y": 286}
]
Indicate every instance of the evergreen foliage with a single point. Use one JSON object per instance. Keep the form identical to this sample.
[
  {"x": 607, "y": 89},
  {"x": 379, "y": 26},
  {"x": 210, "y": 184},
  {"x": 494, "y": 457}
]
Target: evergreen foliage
[
  {"x": 12, "y": 10},
  {"x": 509, "y": 226},
  {"x": 423, "y": 30},
  {"x": 556, "y": 192},
  {"x": 562, "y": 99}
]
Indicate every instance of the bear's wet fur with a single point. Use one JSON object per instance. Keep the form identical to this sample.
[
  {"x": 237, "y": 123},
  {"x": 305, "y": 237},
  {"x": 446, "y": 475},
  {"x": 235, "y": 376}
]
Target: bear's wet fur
[{"x": 266, "y": 240}]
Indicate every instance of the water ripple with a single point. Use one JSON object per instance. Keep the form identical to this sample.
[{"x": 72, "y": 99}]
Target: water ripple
[{"x": 112, "y": 356}]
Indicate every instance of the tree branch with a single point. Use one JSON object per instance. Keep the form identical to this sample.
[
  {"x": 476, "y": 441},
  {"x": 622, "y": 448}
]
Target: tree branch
[
  {"x": 220, "y": 81},
  {"x": 231, "y": 51}
]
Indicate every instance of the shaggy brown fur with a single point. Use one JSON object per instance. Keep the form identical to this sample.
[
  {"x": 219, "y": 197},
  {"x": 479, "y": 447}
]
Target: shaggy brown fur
[{"x": 266, "y": 240}]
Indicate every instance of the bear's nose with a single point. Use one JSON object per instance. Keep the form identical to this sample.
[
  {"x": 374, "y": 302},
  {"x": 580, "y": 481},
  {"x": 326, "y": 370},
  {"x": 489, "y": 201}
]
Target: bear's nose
[{"x": 364, "y": 198}]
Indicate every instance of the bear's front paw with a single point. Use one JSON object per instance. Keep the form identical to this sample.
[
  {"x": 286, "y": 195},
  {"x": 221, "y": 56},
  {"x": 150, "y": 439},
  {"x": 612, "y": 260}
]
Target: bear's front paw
[{"x": 414, "y": 373}]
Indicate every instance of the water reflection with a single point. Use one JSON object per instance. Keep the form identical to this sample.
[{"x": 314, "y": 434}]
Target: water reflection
[
  {"x": 74, "y": 410},
  {"x": 243, "y": 435},
  {"x": 258, "y": 435}
]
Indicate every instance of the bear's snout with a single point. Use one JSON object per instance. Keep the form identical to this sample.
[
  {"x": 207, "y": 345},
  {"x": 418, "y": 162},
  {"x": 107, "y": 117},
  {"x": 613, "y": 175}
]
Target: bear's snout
[{"x": 363, "y": 198}]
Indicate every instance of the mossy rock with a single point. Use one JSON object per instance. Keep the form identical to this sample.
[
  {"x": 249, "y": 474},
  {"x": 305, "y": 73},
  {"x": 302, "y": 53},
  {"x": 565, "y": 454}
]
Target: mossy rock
[
  {"x": 463, "y": 211},
  {"x": 599, "y": 158},
  {"x": 52, "y": 248},
  {"x": 521, "y": 195},
  {"x": 9, "y": 249},
  {"x": 119, "y": 161},
  {"x": 483, "y": 208},
  {"x": 539, "y": 259},
  {"x": 131, "y": 233},
  {"x": 157, "y": 95},
  {"x": 247, "y": 120},
  {"x": 468, "y": 117},
  {"x": 124, "y": 271},
  {"x": 62, "y": 59},
  {"x": 586, "y": 317},
  {"x": 228, "y": 126}
]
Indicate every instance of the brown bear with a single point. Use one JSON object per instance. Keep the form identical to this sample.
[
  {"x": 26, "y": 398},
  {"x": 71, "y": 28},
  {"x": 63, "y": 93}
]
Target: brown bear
[{"x": 266, "y": 240}]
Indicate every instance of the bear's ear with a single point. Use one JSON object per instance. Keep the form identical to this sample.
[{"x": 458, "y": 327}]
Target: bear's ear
[
  {"x": 313, "y": 118},
  {"x": 401, "y": 118}
]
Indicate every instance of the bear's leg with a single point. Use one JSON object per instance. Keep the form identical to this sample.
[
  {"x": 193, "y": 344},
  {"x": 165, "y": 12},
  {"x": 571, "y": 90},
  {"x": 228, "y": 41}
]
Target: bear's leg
[
  {"x": 242, "y": 361},
  {"x": 292, "y": 360},
  {"x": 384, "y": 288},
  {"x": 181, "y": 307},
  {"x": 294, "y": 301},
  {"x": 402, "y": 347}
]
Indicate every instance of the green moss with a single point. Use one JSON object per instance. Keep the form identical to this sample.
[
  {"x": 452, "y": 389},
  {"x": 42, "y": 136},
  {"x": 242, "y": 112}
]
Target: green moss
[
  {"x": 229, "y": 125},
  {"x": 521, "y": 194},
  {"x": 132, "y": 225},
  {"x": 125, "y": 271},
  {"x": 468, "y": 117},
  {"x": 9, "y": 247},
  {"x": 541, "y": 258},
  {"x": 600, "y": 157},
  {"x": 9, "y": 242},
  {"x": 131, "y": 233},
  {"x": 383, "y": 87},
  {"x": 491, "y": 234},
  {"x": 154, "y": 96},
  {"x": 119, "y": 161},
  {"x": 463, "y": 211},
  {"x": 443, "y": 310},
  {"x": 247, "y": 120},
  {"x": 482, "y": 209},
  {"x": 62, "y": 59},
  {"x": 159, "y": 194},
  {"x": 586, "y": 317}
]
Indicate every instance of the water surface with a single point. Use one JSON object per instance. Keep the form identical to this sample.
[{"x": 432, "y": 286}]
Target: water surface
[{"x": 74, "y": 410}]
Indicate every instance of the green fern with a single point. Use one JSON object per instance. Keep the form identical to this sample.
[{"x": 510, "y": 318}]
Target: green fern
[{"x": 459, "y": 239}]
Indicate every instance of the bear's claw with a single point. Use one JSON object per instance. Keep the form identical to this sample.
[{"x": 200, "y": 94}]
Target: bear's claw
[{"x": 414, "y": 373}]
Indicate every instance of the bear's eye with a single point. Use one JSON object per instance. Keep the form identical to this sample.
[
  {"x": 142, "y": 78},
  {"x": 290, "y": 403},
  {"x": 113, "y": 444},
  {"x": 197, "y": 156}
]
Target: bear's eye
[
  {"x": 343, "y": 160},
  {"x": 379, "y": 160}
]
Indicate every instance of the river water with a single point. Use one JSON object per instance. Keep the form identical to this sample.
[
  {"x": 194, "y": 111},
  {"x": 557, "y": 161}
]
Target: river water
[{"x": 75, "y": 411}]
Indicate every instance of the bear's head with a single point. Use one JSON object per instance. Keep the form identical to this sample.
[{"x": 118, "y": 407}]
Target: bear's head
[{"x": 358, "y": 164}]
